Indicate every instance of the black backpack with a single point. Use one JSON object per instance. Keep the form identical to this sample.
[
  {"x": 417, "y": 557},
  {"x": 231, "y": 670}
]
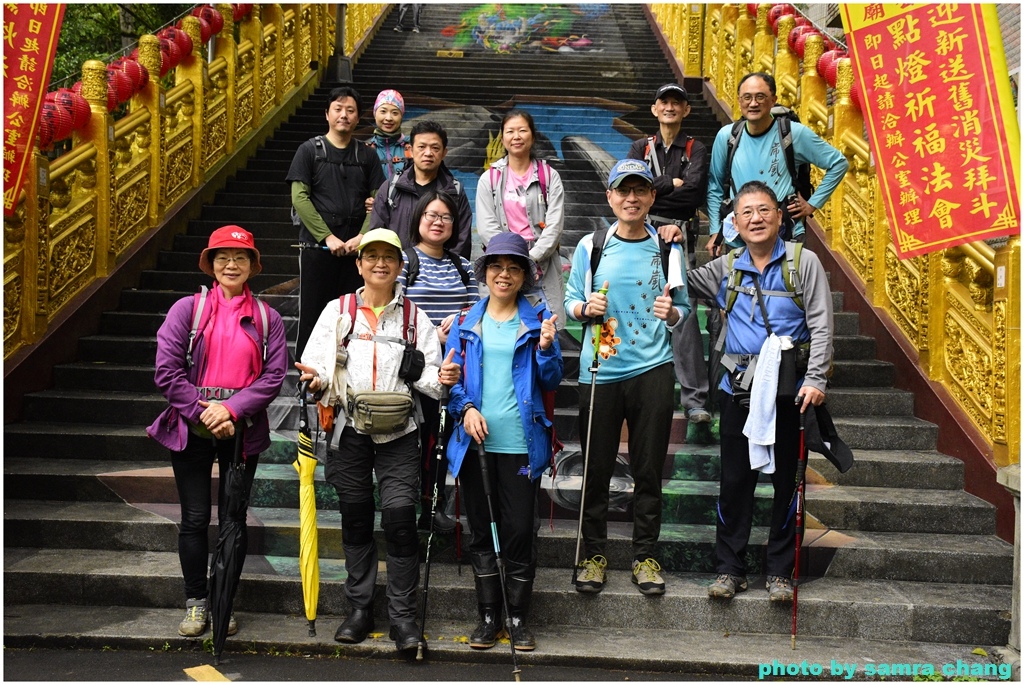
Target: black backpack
[
  {"x": 412, "y": 271},
  {"x": 801, "y": 174}
]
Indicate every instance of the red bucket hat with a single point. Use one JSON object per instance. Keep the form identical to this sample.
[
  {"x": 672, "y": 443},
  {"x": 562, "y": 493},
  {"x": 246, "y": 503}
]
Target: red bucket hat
[{"x": 227, "y": 237}]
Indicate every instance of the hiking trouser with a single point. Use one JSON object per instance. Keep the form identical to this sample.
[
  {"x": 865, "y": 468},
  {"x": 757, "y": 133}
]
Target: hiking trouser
[
  {"x": 645, "y": 402},
  {"x": 514, "y": 497},
  {"x": 193, "y": 468},
  {"x": 688, "y": 361},
  {"x": 322, "y": 278},
  {"x": 350, "y": 470},
  {"x": 736, "y": 493}
]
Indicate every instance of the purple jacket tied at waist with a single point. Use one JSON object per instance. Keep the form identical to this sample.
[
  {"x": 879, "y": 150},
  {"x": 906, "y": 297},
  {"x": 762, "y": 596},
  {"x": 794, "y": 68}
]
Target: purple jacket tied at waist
[{"x": 177, "y": 382}]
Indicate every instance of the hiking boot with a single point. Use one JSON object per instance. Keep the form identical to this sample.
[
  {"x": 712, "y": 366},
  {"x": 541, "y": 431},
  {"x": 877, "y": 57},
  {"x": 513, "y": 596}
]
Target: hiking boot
[
  {"x": 779, "y": 589},
  {"x": 646, "y": 577},
  {"x": 726, "y": 586},
  {"x": 194, "y": 623},
  {"x": 522, "y": 637},
  {"x": 232, "y": 626},
  {"x": 698, "y": 415},
  {"x": 591, "y": 578},
  {"x": 486, "y": 632},
  {"x": 406, "y": 635}
]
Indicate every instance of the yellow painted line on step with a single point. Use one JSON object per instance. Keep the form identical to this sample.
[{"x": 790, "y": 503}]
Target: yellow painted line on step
[{"x": 206, "y": 674}]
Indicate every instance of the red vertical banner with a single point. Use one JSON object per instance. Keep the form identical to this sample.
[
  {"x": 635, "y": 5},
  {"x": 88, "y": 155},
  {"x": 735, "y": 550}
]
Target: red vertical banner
[
  {"x": 940, "y": 118},
  {"x": 30, "y": 41}
]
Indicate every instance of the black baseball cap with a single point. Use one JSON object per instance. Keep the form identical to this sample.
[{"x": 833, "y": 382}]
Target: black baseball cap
[{"x": 671, "y": 88}]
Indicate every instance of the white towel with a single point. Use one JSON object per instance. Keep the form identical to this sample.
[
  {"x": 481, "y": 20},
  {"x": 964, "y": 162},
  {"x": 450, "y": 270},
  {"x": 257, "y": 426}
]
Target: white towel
[{"x": 760, "y": 425}]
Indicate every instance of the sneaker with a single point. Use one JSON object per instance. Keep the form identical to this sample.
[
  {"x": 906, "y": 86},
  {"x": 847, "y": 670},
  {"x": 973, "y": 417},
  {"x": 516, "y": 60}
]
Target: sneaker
[
  {"x": 779, "y": 589},
  {"x": 415, "y": 29},
  {"x": 698, "y": 415},
  {"x": 646, "y": 577},
  {"x": 194, "y": 623},
  {"x": 726, "y": 586},
  {"x": 398, "y": 29},
  {"x": 591, "y": 579},
  {"x": 232, "y": 626}
]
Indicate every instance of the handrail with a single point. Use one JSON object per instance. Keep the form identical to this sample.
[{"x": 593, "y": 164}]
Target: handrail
[{"x": 968, "y": 293}]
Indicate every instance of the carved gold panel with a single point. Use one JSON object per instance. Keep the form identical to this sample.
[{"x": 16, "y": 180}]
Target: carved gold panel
[{"x": 70, "y": 256}]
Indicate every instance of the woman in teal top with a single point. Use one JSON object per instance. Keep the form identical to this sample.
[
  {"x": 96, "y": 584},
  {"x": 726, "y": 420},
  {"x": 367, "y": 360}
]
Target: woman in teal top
[{"x": 504, "y": 336}]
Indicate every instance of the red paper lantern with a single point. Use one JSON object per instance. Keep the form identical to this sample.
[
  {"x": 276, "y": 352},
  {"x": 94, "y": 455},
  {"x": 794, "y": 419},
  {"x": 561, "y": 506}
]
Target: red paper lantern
[
  {"x": 776, "y": 13},
  {"x": 205, "y": 30},
  {"x": 855, "y": 95},
  {"x": 77, "y": 105},
  {"x": 800, "y": 20},
  {"x": 170, "y": 55},
  {"x": 123, "y": 86},
  {"x": 801, "y": 40},
  {"x": 111, "y": 95},
  {"x": 59, "y": 118},
  {"x": 44, "y": 133},
  {"x": 77, "y": 88},
  {"x": 752, "y": 9},
  {"x": 827, "y": 65},
  {"x": 211, "y": 16},
  {"x": 133, "y": 70},
  {"x": 796, "y": 33},
  {"x": 144, "y": 79},
  {"x": 181, "y": 39}
]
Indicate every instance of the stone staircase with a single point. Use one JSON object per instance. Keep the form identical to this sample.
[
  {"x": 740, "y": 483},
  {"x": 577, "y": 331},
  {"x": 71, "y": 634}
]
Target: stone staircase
[{"x": 903, "y": 565}]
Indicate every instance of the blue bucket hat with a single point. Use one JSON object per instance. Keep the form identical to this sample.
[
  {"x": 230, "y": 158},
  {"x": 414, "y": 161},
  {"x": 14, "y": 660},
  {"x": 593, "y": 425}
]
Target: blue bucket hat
[
  {"x": 625, "y": 168},
  {"x": 509, "y": 245}
]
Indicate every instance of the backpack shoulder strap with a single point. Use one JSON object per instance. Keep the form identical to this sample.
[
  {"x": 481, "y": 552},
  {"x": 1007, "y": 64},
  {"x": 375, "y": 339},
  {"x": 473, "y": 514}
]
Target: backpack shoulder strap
[
  {"x": 412, "y": 272},
  {"x": 264, "y": 321},
  {"x": 791, "y": 274},
  {"x": 733, "y": 280},
  {"x": 320, "y": 147},
  {"x": 734, "y": 141},
  {"x": 457, "y": 261},
  {"x": 198, "y": 303},
  {"x": 652, "y": 155},
  {"x": 543, "y": 174},
  {"x": 689, "y": 149},
  {"x": 666, "y": 251},
  {"x": 392, "y": 184},
  {"x": 347, "y": 303},
  {"x": 786, "y": 139},
  {"x": 600, "y": 236},
  {"x": 458, "y": 186},
  {"x": 409, "y": 320}
]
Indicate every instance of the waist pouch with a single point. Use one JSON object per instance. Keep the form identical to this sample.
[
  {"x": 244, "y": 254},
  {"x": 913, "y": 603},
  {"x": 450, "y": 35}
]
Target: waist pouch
[
  {"x": 377, "y": 412},
  {"x": 792, "y": 366}
]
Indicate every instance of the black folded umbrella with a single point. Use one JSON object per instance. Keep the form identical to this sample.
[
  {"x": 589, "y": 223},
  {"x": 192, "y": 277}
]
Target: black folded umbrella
[
  {"x": 232, "y": 543},
  {"x": 821, "y": 437}
]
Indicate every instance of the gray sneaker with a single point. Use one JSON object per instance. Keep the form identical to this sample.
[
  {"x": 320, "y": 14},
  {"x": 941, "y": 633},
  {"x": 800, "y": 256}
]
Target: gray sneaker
[
  {"x": 698, "y": 415},
  {"x": 194, "y": 623},
  {"x": 647, "y": 577},
  {"x": 779, "y": 589},
  {"x": 591, "y": 577},
  {"x": 232, "y": 625},
  {"x": 726, "y": 586}
]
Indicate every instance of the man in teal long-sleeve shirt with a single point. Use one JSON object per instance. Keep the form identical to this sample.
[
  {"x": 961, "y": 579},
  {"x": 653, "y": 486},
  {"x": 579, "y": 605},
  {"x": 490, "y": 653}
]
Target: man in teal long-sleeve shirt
[{"x": 760, "y": 156}]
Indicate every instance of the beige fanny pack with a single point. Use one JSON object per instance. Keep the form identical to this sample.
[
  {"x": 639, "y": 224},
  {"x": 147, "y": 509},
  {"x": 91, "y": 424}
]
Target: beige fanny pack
[{"x": 377, "y": 412}]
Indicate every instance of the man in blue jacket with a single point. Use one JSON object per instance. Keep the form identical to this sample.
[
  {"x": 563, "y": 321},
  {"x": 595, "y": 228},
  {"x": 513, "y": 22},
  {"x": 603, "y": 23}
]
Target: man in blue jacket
[
  {"x": 646, "y": 298},
  {"x": 754, "y": 282},
  {"x": 760, "y": 155}
]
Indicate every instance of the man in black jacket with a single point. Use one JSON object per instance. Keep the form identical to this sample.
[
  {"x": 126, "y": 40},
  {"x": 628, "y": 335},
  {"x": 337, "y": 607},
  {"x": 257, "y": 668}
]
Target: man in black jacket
[
  {"x": 396, "y": 198},
  {"x": 331, "y": 178},
  {"x": 680, "y": 166}
]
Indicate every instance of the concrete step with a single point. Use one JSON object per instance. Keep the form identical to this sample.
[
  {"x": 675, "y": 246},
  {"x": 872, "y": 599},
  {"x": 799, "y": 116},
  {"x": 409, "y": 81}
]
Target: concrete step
[
  {"x": 900, "y": 509},
  {"x": 834, "y": 607},
  {"x": 272, "y": 264},
  {"x": 191, "y": 280},
  {"x": 152, "y": 527},
  {"x": 711, "y": 654},
  {"x": 924, "y": 470},
  {"x": 150, "y": 300}
]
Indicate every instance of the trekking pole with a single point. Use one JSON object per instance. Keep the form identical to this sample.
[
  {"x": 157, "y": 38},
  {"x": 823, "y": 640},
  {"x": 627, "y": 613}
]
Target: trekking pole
[
  {"x": 594, "y": 364},
  {"x": 497, "y": 556},
  {"x": 311, "y": 246},
  {"x": 438, "y": 456},
  {"x": 801, "y": 473}
]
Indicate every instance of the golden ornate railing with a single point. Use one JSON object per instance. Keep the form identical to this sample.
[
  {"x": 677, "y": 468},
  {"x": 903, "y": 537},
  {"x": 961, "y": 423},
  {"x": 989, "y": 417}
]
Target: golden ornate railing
[
  {"x": 958, "y": 308},
  {"x": 79, "y": 213}
]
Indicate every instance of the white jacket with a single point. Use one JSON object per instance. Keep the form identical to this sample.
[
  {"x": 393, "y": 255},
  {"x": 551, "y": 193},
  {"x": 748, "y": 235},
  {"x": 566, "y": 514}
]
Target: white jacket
[{"x": 372, "y": 365}]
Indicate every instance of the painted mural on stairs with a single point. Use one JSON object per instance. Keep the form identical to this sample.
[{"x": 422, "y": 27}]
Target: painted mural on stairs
[{"x": 513, "y": 28}]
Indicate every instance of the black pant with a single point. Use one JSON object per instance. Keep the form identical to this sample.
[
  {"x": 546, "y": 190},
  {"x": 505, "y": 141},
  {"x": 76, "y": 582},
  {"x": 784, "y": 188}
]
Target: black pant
[
  {"x": 736, "y": 493},
  {"x": 514, "y": 497},
  {"x": 193, "y": 469},
  {"x": 431, "y": 470},
  {"x": 322, "y": 278},
  {"x": 645, "y": 402}
]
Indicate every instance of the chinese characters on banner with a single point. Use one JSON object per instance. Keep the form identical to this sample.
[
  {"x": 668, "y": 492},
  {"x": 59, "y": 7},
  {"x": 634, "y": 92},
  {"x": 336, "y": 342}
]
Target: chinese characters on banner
[
  {"x": 940, "y": 119},
  {"x": 30, "y": 41}
]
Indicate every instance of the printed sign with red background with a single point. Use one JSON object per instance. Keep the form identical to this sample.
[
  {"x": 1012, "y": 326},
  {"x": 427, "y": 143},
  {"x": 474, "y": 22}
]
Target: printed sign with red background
[
  {"x": 30, "y": 41},
  {"x": 940, "y": 118}
]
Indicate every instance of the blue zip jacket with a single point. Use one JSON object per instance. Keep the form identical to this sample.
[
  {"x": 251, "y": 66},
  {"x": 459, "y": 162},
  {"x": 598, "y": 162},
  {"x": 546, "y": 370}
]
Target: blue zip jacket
[{"x": 533, "y": 371}]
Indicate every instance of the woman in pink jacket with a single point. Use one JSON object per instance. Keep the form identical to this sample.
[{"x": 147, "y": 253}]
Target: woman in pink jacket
[{"x": 221, "y": 358}]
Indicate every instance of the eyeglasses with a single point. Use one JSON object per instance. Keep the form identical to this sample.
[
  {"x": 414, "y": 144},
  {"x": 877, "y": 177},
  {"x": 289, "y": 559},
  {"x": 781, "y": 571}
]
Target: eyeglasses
[
  {"x": 511, "y": 270},
  {"x": 639, "y": 191},
  {"x": 446, "y": 219},
  {"x": 387, "y": 258},
  {"x": 241, "y": 260},
  {"x": 746, "y": 98},
  {"x": 764, "y": 210}
]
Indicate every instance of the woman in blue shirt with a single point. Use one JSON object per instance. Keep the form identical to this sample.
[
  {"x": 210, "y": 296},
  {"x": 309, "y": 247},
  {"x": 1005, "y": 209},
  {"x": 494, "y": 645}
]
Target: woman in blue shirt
[{"x": 503, "y": 336}]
